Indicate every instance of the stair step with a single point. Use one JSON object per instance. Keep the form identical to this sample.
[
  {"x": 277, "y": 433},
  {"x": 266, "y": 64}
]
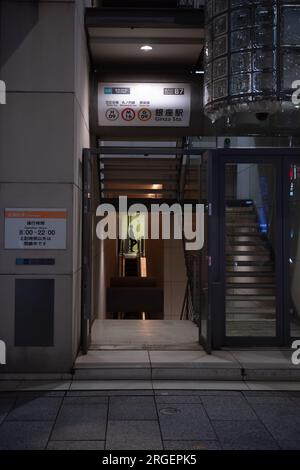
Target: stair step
[
  {"x": 240, "y": 209},
  {"x": 247, "y": 249},
  {"x": 244, "y": 239},
  {"x": 244, "y": 230},
  {"x": 248, "y": 258},
  {"x": 250, "y": 311},
  {"x": 248, "y": 269},
  {"x": 241, "y": 220},
  {"x": 249, "y": 280},
  {"x": 258, "y": 298},
  {"x": 254, "y": 273},
  {"x": 249, "y": 291},
  {"x": 249, "y": 317}
]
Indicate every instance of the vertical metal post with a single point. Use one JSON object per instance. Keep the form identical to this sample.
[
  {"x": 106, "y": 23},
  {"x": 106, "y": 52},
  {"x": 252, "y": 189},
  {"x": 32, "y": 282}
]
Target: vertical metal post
[{"x": 86, "y": 291}]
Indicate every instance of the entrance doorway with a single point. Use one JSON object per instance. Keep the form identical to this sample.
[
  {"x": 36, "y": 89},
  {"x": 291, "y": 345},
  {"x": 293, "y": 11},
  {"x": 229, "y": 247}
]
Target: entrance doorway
[
  {"x": 240, "y": 290},
  {"x": 152, "y": 291},
  {"x": 256, "y": 198}
]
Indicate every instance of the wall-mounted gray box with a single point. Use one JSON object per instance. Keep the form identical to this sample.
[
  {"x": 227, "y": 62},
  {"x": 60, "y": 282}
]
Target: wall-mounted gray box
[{"x": 34, "y": 312}]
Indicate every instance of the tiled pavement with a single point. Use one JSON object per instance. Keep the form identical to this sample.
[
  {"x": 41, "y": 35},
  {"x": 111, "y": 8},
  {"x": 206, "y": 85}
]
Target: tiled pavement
[{"x": 150, "y": 419}]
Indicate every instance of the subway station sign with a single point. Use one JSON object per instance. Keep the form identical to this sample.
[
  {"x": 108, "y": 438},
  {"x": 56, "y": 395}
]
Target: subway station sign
[
  {"x": 144, "y": 104},
  {"x": 35, "y": 229}
]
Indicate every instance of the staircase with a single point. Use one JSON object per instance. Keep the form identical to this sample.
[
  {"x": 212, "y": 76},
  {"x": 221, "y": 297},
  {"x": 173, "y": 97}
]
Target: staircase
[{"x": 250, "y": 275}]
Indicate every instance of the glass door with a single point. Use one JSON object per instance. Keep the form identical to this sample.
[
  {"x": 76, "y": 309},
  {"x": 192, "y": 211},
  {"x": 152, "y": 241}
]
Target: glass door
[
  {"x": 292, "y": 248},
  {"x": 252, "y": 250}
]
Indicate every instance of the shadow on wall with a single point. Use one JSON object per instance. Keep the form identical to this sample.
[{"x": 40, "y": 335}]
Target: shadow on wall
[{"x": 24, "y": 15}]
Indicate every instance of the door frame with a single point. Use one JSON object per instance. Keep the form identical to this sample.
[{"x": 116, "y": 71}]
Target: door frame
[
  {"x": 90, "y": 164},
  {"x": 86, "y": 276},
  {"x": 280, "y": 158},
  {"x": 292, "y": 159}
]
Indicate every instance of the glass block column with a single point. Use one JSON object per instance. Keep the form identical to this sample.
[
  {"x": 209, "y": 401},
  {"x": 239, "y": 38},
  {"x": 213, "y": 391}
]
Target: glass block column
[{"x": 252, "y": 56}]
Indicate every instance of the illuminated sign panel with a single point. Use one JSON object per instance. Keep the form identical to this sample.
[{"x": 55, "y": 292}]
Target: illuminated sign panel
[{"x": 144, "y": 104}]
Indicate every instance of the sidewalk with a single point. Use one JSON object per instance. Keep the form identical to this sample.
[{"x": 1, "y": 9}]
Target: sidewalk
[{"x": 148, "y": 419}]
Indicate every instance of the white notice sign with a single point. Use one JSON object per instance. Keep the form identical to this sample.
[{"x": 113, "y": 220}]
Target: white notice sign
[
  {"x": 144, "y": 104},
  {"x": 35, "y": 229}
]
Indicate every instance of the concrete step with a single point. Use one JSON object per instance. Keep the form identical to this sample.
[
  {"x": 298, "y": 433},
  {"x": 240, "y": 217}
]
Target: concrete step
[{"x": 234, "y": 365}]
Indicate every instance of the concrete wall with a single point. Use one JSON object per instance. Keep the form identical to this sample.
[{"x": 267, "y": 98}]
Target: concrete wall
[
  {"x": 175, "y": 278},
  {"x": 43, "y": 128}
]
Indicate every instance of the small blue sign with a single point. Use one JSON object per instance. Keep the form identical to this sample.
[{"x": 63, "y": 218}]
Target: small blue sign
[{"x": 107, "y": 90}]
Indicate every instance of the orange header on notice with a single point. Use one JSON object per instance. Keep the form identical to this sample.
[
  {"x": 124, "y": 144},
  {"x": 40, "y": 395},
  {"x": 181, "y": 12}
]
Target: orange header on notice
[{"x": 35, "y": 214}]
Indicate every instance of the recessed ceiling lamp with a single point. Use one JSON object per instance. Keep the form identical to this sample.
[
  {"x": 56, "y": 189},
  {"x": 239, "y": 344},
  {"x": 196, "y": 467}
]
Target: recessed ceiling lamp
[{"x": 146, "y": 48}]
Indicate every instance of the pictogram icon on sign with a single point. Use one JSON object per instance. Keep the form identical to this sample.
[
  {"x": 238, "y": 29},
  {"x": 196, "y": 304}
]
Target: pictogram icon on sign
[
  {"x": 144, "y": 114},
  {"x": 112, "y": 114},
  {"x": 128, "y": 114}
]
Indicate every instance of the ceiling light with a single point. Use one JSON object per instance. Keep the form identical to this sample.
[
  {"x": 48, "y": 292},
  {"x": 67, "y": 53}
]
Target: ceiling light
[{"x": 146, "y": 48}]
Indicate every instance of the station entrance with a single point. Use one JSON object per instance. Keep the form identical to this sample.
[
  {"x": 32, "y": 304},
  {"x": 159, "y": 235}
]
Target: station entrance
[
  {"x": 239, "y": 289},
  {"x": 141, "y": 292}
]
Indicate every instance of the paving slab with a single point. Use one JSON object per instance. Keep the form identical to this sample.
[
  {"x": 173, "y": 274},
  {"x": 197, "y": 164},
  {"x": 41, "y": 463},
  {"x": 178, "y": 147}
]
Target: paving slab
[
  {"x": 289, "y": 444},
  {"x": 129, "y": 435},
  {"x": 228, "y": 408},
  {"x": 244, "y": 435},
  {"x": 274, "y": 400},
  {"x": 184, "y": 422},
  {"x": 162, "y": 399},
  {"x": 92, "y": 400},
  {"x": 35, "y": 409},
  {"x": 80, "y": 422},
  {"x": 192, "y": 445},
  {"x": 6, "y": 404},
  {"x": 76, "y": 445},
  {"x": 281, "y": 419},
  {"x": 127, "y": 408},
  {"x": 18, "y": 435}
]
